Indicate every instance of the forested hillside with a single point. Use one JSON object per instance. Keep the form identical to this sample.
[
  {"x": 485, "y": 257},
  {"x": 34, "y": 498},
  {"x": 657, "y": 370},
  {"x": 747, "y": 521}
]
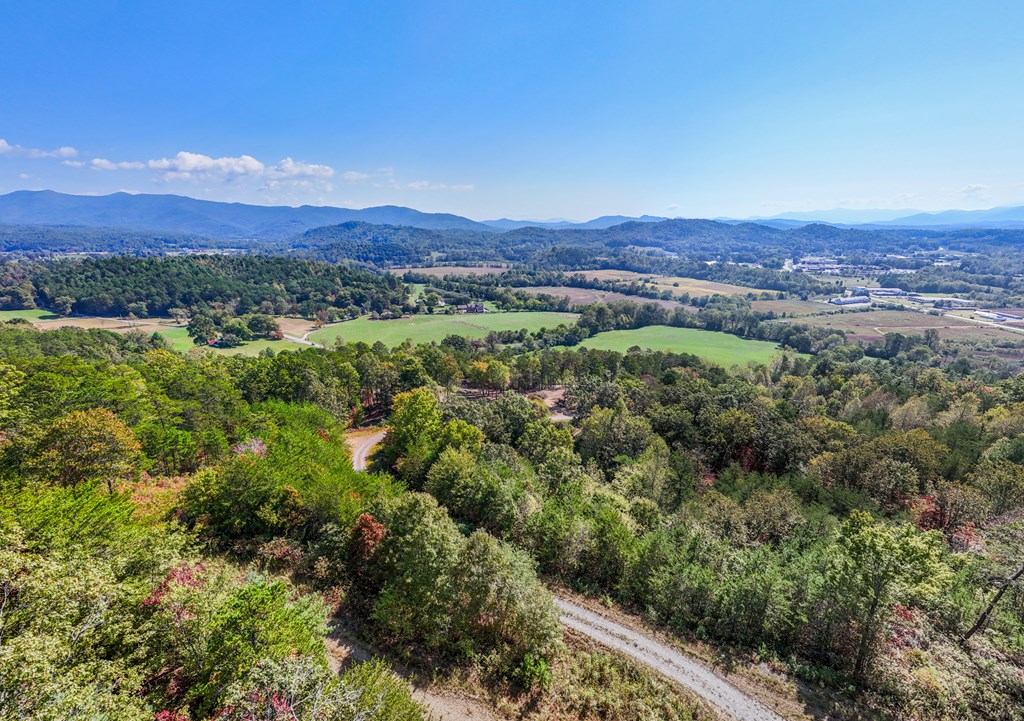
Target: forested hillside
[
  {"x": 848, "y": 522},
  {"x": 118, "y": 285}
]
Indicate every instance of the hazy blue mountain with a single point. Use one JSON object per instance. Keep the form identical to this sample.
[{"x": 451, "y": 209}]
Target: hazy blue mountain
[
  {"x": 509, "y": 224},
  {"x": 1005, "y": 217},
  {"x": 837, "y": 216},
  {"x": 178, "y": 214},
  {"x": 605, "y": 221}
]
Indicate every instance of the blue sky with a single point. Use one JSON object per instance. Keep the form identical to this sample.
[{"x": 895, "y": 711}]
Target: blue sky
[{"x": 520, "y": 109}]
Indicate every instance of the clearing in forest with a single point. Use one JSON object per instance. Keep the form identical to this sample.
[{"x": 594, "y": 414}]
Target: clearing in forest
[
  {"x": 674, "y": 283},
  {"x": 437, "y": 327},
  {"x": 721, "y": 348}
]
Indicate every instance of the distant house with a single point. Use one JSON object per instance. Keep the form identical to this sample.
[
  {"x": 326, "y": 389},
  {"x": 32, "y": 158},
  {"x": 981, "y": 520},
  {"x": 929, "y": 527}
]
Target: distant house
[
  {"x": 886, "y": 292},
  {"x": 850, "y": 300},
  {"x": 472, "y": 308},
  {"x": 999, "y": 316}
]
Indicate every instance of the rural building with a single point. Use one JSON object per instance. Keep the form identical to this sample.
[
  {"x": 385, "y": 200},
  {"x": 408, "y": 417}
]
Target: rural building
[
  {"x": 850, "y": 300},
  {"x": 999, "y": 316},
  {"x": 472, "y": 308}
]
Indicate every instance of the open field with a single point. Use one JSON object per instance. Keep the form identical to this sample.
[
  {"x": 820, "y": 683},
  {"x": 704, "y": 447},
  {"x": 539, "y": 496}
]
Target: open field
[
  {"x": 30, "y": 315},
  {"x": 176, "y": 335},
  {"x": 873, "y": 325},
  {"x": 693, "y": 286},
  {"x": 721, "y": 348},
  {"x": 439, "y": 271},
  {"x": 427, "y": 328},
  {"x": 581, "y": 296},
  {"x": 297, "y": 327},
  {"x": 791, "y": 307}
]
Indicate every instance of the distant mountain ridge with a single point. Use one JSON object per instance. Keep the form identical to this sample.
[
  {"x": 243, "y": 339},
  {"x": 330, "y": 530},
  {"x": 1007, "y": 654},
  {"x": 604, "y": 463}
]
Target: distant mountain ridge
[
  {"x": 1002, "y": 217},
  {"x": 605, "y": 221},
  {"x": 1005, "y": 217},
  {"x": 180, "y": 214},
  {"x": 238, "y": 222}
]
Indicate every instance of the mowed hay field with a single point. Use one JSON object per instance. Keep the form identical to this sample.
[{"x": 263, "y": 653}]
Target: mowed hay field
[
  {"x": 32, "y": 315},
  {"x": 722, "y": 348},
  {"x": 176, "y": 335},
  {"x": 582, "y": 296},
  {"x": 439, "y": 271},
  {"x": 874, "y": 324},
  {"x": 427, "y": 328},
  {"x": 693, "y": 286},
  {"x": 791, "y": 307}
]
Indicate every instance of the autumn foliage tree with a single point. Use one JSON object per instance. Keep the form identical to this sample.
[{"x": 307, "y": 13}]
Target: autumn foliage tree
[{"x": 87, "y": 447}]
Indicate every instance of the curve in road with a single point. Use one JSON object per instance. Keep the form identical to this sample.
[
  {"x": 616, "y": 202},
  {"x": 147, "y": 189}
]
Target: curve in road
[
  {"x": 363, "y": 446},
  {"x": 665, "y": 660}
]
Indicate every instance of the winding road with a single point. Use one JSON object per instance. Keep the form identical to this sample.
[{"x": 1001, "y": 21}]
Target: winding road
[
  {"x": 666, "y": 660},
  {"x": 362, "y": 446}
]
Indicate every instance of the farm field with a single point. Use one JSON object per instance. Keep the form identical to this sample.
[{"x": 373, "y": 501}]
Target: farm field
[
  {"x": 581, "y": 296},
  {"x": 873, "y": 325},
  {"x": 693, "y": 286},
  {"x": 439, "y": 271},
  {"x": 791, "y": 307},
  {"x": 721, "y": 348},
  {"x": 297, "y": 327},
  {"x": 176, "y": 335},
  {"x": 427, "y": 328},
  {"x": 31, "y": 315}
]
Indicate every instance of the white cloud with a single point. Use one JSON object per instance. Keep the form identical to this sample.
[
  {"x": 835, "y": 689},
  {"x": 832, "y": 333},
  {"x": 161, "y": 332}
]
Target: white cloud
[
  {"x": 185, "y": 166},
  {"x": 973, "y": 190},
  {"x": 65, "y": 151},
  {"x": 289, "y": 168},
  {"x": 354, "y": 176},
  {"x": 104, "y": 164},
  {"x": 73, "y": 163}
]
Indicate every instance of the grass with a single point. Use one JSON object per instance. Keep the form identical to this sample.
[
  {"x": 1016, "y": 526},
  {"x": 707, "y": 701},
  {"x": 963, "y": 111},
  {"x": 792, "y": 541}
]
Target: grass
[
  {"x": 721, "y": 348},
  {"x": 792, "y": 306},
  {"x": 30, "y": 315},
  {"x": 427, "y": 328},
  {"x": 677, "y": 285},
  {"x": 178, "y": 338},
  {"x": 874, "y": 324},
  {"x": 257, "y": 346}
]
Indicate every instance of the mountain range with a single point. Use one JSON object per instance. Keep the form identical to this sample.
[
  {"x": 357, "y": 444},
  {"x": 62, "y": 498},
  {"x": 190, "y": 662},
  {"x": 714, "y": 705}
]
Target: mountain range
[
  {"x": 1003, "y": 217},
  {"x": 180, "y": 214},
  {"x": 239, "y": 221}
]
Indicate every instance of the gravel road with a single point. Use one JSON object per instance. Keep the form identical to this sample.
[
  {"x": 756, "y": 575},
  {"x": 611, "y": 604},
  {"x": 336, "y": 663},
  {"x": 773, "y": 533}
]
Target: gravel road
[
  {"x": 362, "y": 446},
  {"x": 668, "y": 661},
  {"x": 665, "y": 660}
]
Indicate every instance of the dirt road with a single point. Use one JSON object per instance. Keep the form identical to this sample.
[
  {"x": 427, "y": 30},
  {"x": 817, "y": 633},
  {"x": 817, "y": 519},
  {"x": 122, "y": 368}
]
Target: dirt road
[
  {"x": 363, "y": 445},
  {"x": 665, "y": 660}
]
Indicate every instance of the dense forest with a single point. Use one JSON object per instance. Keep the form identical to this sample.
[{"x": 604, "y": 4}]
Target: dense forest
[
  {"x": 118, "y": 285},
  {"x": 43, "y": 240},
  {"x": 846, "y": 520}
]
